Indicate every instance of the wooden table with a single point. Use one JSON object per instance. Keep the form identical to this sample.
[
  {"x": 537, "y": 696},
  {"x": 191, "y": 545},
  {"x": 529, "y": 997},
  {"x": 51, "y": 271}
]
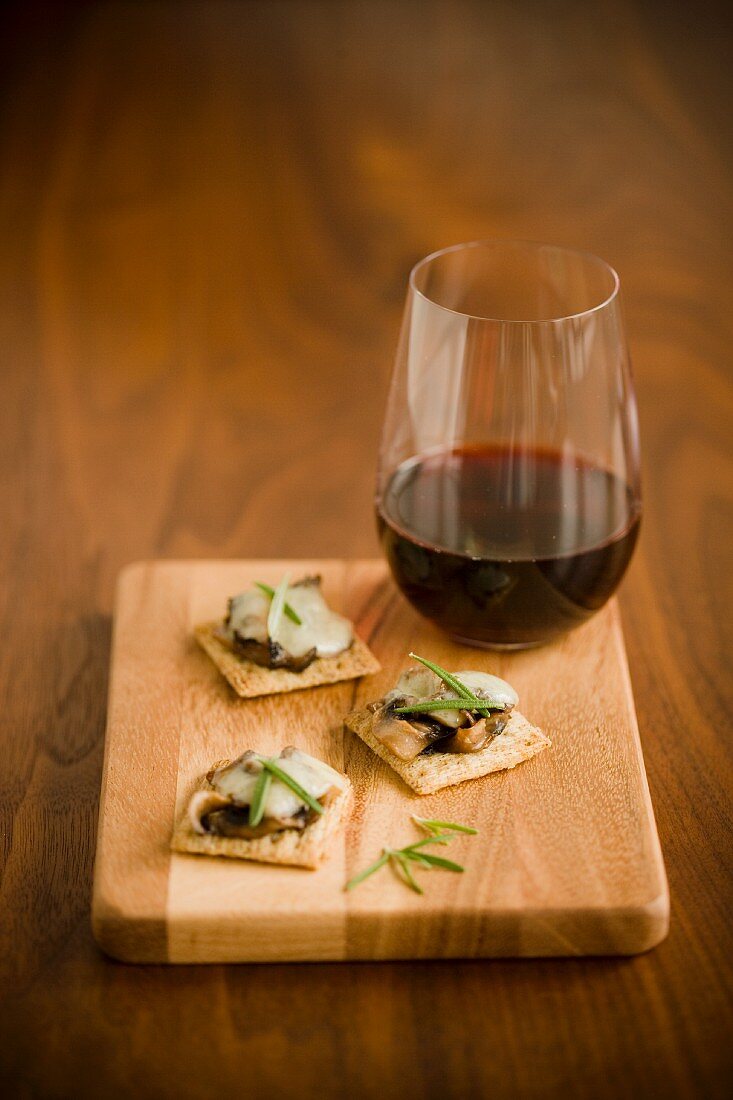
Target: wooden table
[{"x": 208, "y": 213}]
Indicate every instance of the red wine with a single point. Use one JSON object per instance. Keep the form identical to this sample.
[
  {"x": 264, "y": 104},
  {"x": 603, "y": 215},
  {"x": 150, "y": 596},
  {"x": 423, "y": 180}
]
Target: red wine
[{"x": 507, "y": 546}]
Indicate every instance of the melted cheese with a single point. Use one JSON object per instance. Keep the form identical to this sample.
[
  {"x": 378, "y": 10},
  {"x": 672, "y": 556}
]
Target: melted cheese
[
  {"x": 422, "y": 684},
  {"x": 492, "y": 686},
  {"x": 238, "y": 783},
  {"x": 322, "y": 629}
]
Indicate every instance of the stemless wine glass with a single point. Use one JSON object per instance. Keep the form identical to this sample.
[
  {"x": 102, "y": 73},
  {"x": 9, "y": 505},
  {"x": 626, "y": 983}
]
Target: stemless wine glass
[{"x": 508, "y": 497}]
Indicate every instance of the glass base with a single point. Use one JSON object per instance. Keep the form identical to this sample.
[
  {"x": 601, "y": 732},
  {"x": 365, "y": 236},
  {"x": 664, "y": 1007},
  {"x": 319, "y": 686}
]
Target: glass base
[{"x": 503, "y": 646}]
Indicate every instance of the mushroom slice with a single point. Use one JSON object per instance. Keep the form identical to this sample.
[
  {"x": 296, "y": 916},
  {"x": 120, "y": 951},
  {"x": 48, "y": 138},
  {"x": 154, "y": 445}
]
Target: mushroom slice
[
  {"x": 453, "y": 719},
  {"x": 271, "y": 654},
  {"x": 476, "y": 737},
  {"x": 202, "y": 804},
  {"x": 405, "y": 739},
  {"x": 234, "y": 821}
]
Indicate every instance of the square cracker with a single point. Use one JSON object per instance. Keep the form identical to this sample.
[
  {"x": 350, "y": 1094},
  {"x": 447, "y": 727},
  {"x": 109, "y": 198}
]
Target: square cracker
[
  {"x": 250, "y": 680},
  {"x": 427, "y": 774},
  {"x": 292, "y": 847}
]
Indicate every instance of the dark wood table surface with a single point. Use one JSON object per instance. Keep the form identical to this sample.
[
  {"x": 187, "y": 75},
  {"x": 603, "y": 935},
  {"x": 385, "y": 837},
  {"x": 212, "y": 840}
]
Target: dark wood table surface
[{"x": 208, "y": 213}]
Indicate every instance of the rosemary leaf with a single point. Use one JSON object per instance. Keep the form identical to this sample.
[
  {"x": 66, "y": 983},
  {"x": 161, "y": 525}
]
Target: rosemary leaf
[
  {"x": 433, "y": 704},
  {"x": 295, "y": 787},
  {"x": 419, "y": 857},
  {"x": 432, "y": 825},
  {"x": 401, "y": 864},
  {"x": 449, "y": 704},
  {"x": 291, "y": 613},
  {"x": 438, "y": 861},
  {"x": 259, "y": 797},
  {"x": 435, "y": 839},
  {"x": 367, "y": 871}
]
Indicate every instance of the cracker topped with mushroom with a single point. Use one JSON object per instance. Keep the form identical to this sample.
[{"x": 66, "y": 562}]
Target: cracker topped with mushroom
[
  {"x": 436, "y": 728},
  {"x": 284, "y": 809},
  {"x": 280, "y": 639}
]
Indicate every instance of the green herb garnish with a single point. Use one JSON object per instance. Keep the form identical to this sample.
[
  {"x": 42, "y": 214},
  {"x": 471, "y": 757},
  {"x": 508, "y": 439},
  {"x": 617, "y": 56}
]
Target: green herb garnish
[
  {"x": 291, "y": 613},
  {"x": 479, "y": 705},
  {"x": 378, "y": 863},
  {"x": 259, "y": 797},
  {"x": 294, "y": 785},
  {"x": 402, "y": 858},
  {"x": 401, "y": 862},
  {"x": 448, "y": 678},
  {"x": 438, "y": 861},
  {"x": 433, "y": 826},
  {"x": 429, "y": 705}
]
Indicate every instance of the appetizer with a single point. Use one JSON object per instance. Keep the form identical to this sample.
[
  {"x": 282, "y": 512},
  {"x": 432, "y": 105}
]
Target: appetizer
[
  {"x": 282, "y": 639},
  {"x": 283, "y": 809},
  {"x": 437, "y": 728}
]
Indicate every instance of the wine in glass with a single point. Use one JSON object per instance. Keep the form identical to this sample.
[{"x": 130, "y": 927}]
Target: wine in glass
[{"x": 508, "y": 497}]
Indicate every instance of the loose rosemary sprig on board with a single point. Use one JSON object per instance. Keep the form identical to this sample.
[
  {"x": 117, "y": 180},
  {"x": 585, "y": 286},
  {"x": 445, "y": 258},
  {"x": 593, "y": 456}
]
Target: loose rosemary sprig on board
[{"x": 402, "y": 859}]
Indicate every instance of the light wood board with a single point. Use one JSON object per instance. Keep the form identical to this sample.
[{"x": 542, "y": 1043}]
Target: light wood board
[{"x": 567, "y": 860}]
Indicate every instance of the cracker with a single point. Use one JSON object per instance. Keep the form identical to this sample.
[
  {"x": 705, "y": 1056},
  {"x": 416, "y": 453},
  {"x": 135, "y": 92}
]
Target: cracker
[
  {"x": 426, "y": 774},
  {"x": 250, "y": 680},
  {"x": 292, "y": 847}
]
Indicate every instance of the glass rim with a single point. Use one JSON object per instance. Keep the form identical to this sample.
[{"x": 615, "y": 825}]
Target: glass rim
[{"x": 492, "y": 242}]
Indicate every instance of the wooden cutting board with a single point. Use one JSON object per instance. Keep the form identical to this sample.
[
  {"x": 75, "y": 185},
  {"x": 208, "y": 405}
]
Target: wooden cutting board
[{"x": 567, "y": 860}]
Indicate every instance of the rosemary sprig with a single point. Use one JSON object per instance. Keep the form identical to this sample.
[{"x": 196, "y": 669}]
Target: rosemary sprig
[
  {"x": 456, "y": 685},
  {"x": 259, "y": 797},
  {"x": 433, "y": 826},
  {"x": 434, "y": 704},
  {"x": 288, "y": 780},
  {"x": 291, "y": 613},
  {"x": 402, "y": 858},
  {"x": 429, "y": 705}
]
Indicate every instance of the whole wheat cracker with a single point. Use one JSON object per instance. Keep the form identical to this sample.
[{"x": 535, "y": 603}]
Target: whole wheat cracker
[
  {"x": 250, "y": 680},
  {"x": 307, "y": 847},
  {"x": 426, "y": 774}
]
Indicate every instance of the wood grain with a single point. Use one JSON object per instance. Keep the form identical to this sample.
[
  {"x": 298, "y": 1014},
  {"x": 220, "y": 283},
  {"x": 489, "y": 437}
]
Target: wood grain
[
  {"x": 208, "y": 212},
  {"x": 567, "y": 860}
]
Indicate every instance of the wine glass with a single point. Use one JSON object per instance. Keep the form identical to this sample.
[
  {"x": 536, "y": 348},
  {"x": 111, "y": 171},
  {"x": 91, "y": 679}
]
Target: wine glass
[{"x": 508, "y": 497}]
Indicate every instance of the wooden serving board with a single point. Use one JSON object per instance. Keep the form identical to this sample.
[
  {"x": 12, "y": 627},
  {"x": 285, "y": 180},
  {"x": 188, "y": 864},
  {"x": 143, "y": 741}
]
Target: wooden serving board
[{"x": 567, "y": 860}]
